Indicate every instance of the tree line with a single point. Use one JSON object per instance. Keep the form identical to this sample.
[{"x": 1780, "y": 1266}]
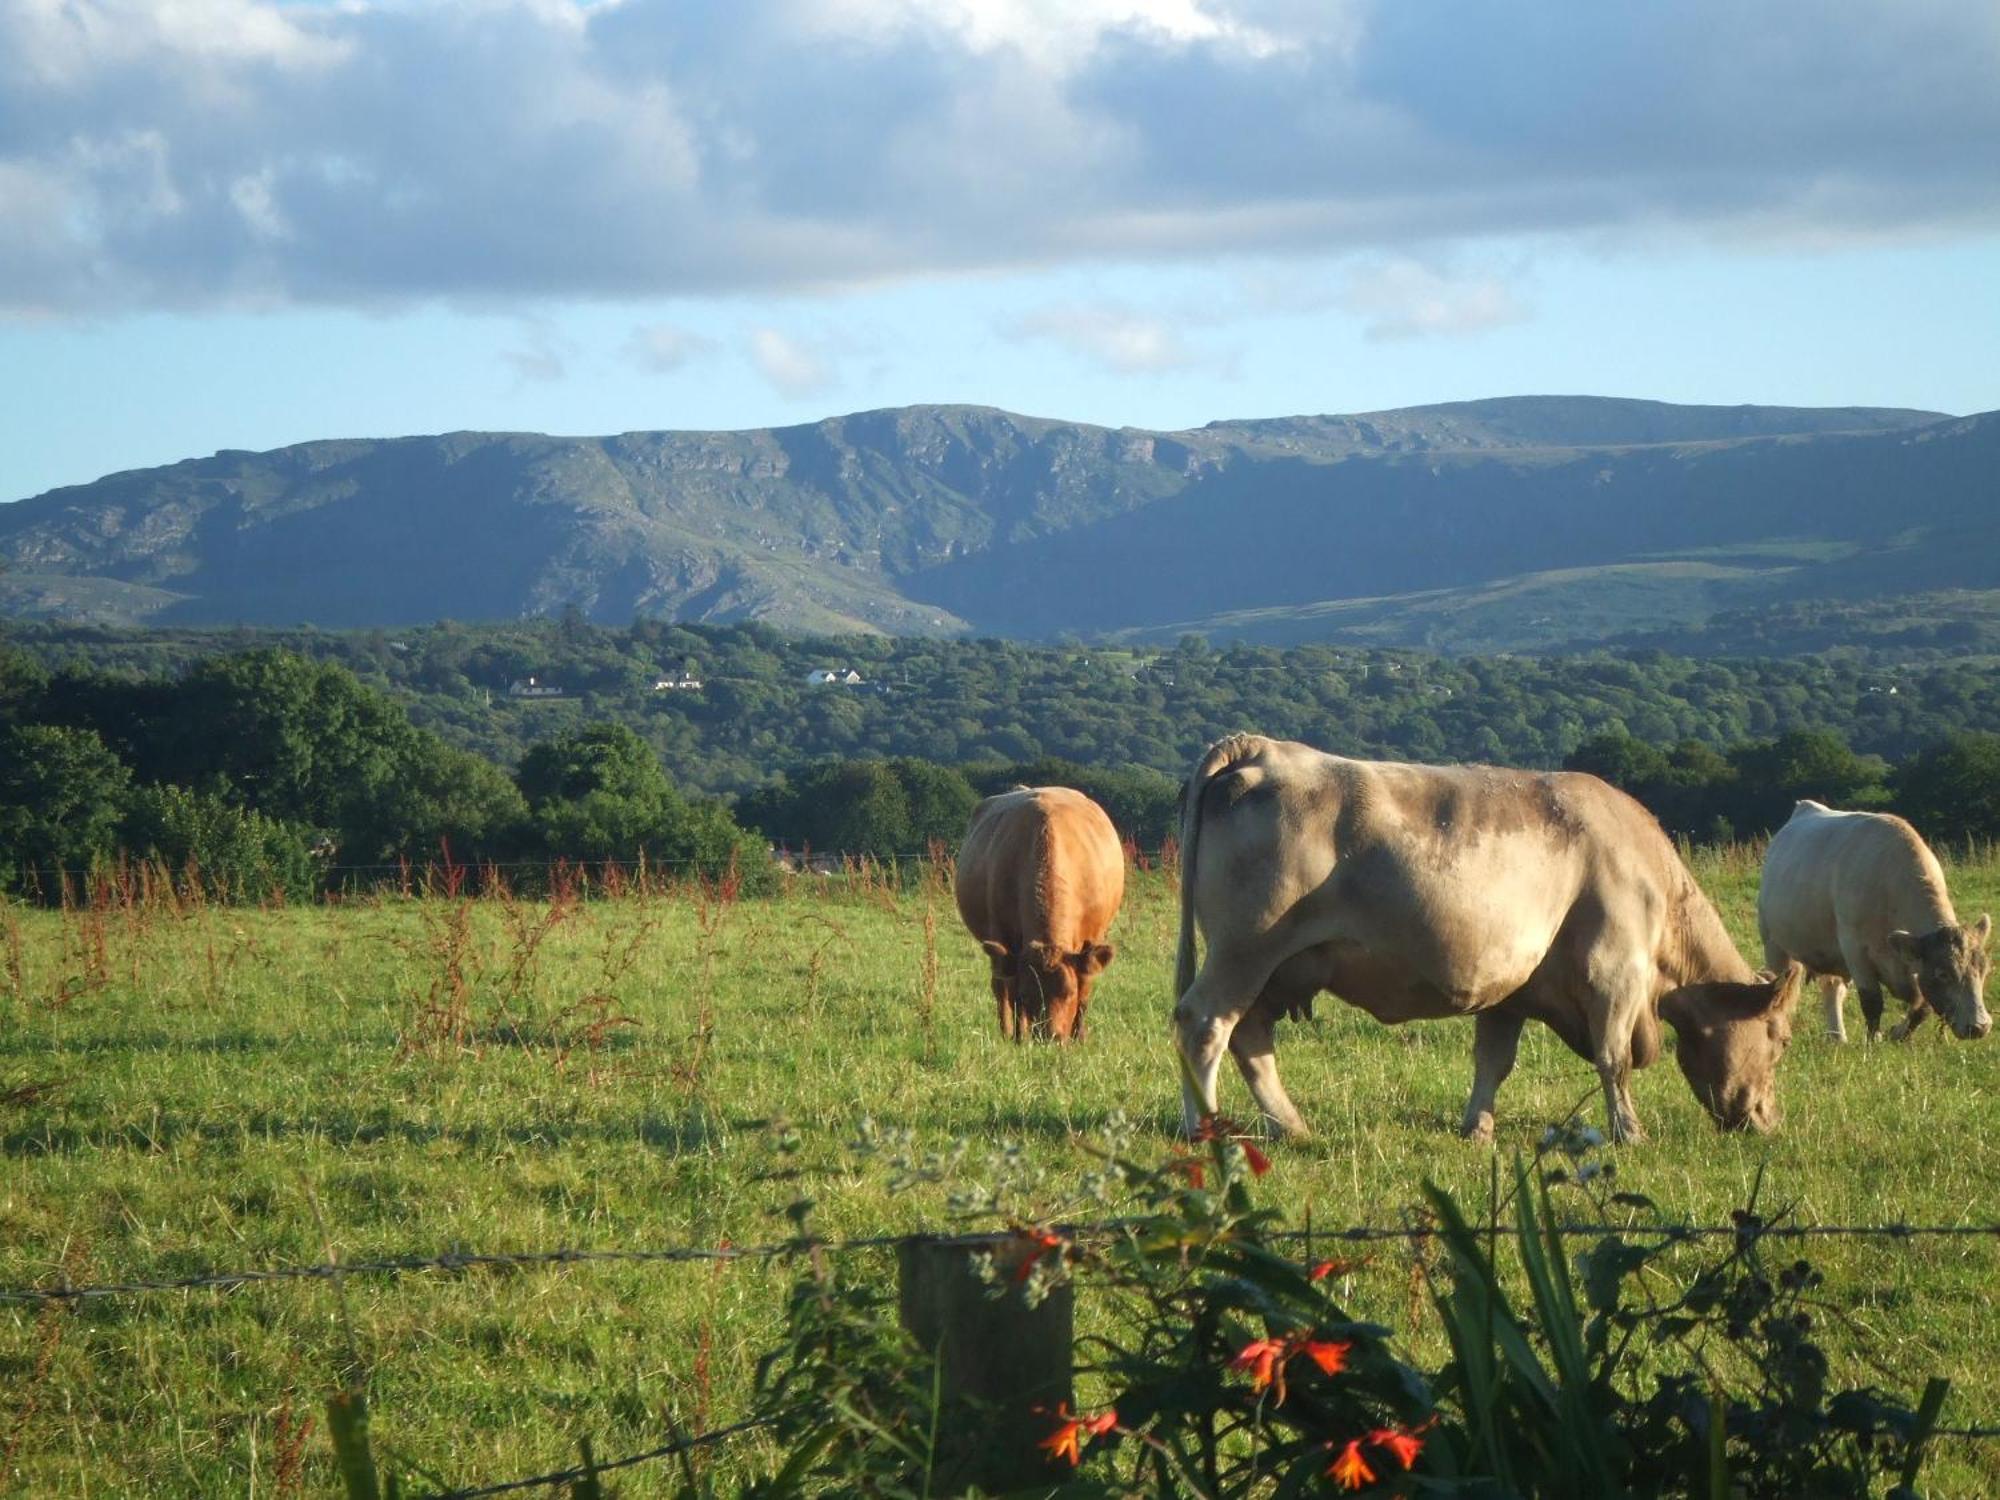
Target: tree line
[
  {"x": 269, "y": 771},
  {"x": 755, "y": 717}
]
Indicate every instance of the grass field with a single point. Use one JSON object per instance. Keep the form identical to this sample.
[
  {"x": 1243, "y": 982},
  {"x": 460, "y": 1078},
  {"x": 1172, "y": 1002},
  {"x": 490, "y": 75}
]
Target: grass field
[{"x": 236, "y": 1088}]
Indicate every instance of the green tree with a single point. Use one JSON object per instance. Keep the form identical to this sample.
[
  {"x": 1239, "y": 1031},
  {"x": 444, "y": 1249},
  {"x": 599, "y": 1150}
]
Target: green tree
[
  {"x": 234, "y": 853},
  {"x": 1952, "y": 790},
  {"x": 61, "y": 794}
]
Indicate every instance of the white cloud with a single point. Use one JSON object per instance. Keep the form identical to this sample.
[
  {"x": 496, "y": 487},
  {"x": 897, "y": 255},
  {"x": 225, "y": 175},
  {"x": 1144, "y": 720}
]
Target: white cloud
[
  {"x": 793, "y": 367},
  {"x": 542, "y": 356},
  {"x": 663, "y": 348},
  {"x": 366, "y": 152},
  {"x": 1123, "y": 341},
  {"x": 1402, "y": 299}
]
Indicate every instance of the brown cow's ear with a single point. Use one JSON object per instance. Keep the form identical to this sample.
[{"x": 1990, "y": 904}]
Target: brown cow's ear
[
  {"x": 1038, "y": 951},
  {"x": 1092, "y": 960},
  {"x": 994, "y": 950},
  {"x": 1903, "y": 945}
]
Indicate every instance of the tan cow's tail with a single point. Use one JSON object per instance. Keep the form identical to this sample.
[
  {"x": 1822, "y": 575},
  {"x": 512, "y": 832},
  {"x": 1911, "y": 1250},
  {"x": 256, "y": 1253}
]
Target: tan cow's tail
[{"x": 1219, "y": 757}]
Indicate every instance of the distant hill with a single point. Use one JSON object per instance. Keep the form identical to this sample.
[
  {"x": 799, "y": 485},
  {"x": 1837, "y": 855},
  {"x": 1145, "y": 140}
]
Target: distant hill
[{"x": 1520, "y": 523}]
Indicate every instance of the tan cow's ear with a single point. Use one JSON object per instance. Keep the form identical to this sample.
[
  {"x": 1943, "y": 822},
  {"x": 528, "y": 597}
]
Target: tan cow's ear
[
  {"x": 1677, "y": 1007},
  {"x": 1092, "y": 960},
  {"x": 1789, "y": 986},
  {"x": 1982, "y": 929},
  {"x": 1903, "y": 945}
]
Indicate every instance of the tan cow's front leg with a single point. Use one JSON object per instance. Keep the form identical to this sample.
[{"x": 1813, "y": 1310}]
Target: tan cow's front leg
[
  {"x": 1496, "y": 1039},
  {"x": 1202, "y": 1037},
  {"x": 1622, "y": 1001}
]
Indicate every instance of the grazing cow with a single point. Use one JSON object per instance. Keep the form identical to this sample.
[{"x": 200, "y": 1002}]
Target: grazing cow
[
  {"x": 1040, "y": 877},
  {"x": 1423, "y": 891},
  {"x": 1857, "y": 896}
]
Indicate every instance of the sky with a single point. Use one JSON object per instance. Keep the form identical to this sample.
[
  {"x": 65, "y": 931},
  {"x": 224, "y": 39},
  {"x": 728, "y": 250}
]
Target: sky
[{"x": 239, "y": 224}]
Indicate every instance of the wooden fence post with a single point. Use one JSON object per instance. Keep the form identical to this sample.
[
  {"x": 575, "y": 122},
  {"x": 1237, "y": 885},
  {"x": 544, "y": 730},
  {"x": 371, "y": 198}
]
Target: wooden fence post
[{"x": 994, "y": 1349}]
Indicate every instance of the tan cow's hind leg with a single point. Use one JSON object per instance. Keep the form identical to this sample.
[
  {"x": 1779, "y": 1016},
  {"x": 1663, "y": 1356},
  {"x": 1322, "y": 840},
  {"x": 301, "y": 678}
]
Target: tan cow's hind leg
[
  {"x": 1204, "y": 1021},
  {"x": 1252, "y": 1045},
  {"x": 1496, "y": 1038}
]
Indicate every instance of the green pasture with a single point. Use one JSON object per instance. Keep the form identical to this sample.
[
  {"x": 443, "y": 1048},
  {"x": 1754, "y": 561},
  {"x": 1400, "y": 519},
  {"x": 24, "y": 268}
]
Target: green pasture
[{"x": 218, "y": 1088}]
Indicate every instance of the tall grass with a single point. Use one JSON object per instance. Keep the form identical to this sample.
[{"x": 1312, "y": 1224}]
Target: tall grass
[{"x": 609, "y": 1064}]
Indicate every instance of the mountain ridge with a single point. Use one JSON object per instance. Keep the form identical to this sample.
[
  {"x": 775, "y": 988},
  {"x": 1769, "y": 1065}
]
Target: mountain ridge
[{"x": 948, "y": 518}]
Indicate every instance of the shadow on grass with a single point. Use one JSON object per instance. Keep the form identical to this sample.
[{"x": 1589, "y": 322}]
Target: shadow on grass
[{"x": 693, "y": 1132}]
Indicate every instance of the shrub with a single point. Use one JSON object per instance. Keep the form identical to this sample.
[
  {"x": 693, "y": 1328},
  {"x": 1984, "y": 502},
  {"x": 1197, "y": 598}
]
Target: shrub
[{"x": 232, "y": 853}]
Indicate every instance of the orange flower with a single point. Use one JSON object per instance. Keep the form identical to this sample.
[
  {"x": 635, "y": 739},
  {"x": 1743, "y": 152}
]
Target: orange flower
[
  {"x": 1327, "y": 1268},
  {"x": 1265, "y": 1360},
  {"x": 1405, "y": 1445},
  {"x": 1350, "y": 1471},
  {"x": 1259, "y": 1162},
  {"x": 1067, "y": 1440},
  {"x": 1329, "y": 1354},
  {"x": 1039, "y": 1242}
]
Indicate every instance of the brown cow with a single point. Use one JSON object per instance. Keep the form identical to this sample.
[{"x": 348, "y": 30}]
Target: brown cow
[
  {"x": 1040, "y": 877},
  {"x": 1425, "y": 891}
]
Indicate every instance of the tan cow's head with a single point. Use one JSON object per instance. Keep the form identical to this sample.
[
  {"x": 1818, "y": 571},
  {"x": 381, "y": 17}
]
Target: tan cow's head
[
  {"x": 1728, "y": 1039},
  {"x": 1042, "y": 991},
  {"x": 1950, "y": 967}
]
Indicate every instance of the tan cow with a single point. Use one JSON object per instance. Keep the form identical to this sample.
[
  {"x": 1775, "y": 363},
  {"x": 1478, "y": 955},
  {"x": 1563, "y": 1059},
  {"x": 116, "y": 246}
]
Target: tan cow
[
  {"x": 1858, "y": 896},
  {"x": 1425, "y": 891},
  {"x": 1040, "y": 877}
]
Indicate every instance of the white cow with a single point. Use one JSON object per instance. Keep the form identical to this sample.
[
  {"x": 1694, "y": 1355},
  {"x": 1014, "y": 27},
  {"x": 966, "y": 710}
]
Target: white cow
[{"x": 1858, "y": 896}]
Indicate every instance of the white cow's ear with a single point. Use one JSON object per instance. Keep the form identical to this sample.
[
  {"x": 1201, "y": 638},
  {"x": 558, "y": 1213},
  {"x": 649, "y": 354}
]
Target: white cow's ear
[{"x": 1903, "y": 945}]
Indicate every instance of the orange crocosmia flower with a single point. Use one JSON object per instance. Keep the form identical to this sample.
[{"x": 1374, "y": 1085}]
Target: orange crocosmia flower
[
  {"x": 1350, "y": 1471},
  {"x": 1103, "y": 1422},
  {"x": 1067, "y": 1440},
  {"x": 1265, "y": 1360},
  {"x": 1405, "y": 1445},
  {"x": 1259, "y": 1162},
  {"x": 1329, "y": 1354},
  {"x": 1040, "y": 1242},
  {"x": 1326, "y": 1268}
]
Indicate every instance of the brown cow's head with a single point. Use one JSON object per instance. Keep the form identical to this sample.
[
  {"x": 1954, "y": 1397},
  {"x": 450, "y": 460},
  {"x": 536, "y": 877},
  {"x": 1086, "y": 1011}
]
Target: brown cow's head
[
  {"x": 1043, "y": 991},
  {"x": 1728, "y": 1040},
  {"x": 1950, "y": 967}
]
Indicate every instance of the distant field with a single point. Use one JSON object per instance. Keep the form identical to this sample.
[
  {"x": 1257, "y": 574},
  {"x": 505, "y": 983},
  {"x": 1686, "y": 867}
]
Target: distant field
[{"x": 194, "y": 1091}]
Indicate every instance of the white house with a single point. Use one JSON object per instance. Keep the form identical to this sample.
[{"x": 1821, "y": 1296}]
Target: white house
[
  {"x": 833, "y": 677},
  {"x": 680, "y": 684},
  {"x": 532, "y": 687}
]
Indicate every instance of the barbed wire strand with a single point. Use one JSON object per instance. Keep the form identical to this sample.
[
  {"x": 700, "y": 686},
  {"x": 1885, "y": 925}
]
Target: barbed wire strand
[
  {"x": 570, "y": 1476},
  {"x": 462, "y": 1261}
]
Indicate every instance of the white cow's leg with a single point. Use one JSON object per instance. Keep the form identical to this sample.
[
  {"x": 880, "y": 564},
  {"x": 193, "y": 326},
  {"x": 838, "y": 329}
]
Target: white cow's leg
[
  {"x": 1496, "y": 1038},
  {"x": 1833, "y": 993},
  {"x": 1252, "y": 1045}
]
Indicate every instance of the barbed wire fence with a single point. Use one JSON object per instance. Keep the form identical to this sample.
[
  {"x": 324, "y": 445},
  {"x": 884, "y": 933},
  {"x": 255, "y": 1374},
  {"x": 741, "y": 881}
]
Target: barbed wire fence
[{"x": 1747, "y": 1229}]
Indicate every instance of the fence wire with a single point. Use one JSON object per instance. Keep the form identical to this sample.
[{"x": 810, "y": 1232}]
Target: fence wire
[
  {"x": 459, "y": 1262},
  {"x": 571, "y": 1476}
]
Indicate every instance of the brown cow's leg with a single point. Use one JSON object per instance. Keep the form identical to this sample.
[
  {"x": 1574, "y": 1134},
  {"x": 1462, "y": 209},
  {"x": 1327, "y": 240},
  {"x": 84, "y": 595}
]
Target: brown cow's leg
[
  {"x": 1252, "y": 1045},
  {"x": 1496, "y": 1038}
]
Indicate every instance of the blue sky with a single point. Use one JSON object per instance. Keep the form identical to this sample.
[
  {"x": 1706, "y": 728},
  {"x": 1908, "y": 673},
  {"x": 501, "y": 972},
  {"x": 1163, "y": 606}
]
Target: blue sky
[{"x": 226, "y": 223}]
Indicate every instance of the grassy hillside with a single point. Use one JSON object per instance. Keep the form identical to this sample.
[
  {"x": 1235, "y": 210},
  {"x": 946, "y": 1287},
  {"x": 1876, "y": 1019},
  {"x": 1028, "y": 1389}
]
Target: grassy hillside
[
  {"x": 206, "y": 1089},
  {"x": 1397, "y": 527}
]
